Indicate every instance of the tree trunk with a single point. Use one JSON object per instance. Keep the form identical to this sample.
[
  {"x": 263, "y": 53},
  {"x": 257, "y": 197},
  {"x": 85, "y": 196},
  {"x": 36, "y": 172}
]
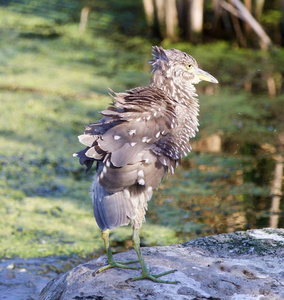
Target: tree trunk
[
  {"x": 248, "y": 30},
  {"x": 149, "y": 12},
  {"x": 271, "y": 86},
  {"x": 238, "y": 28},
  {"x": 217, "y": 13},
  {"x": 259, "y": 4},
  {"x": 195, "y": 20},
  {"x": 160, "y": 13},
  {"x": 241, "y": 12},
  {"x": 84, "y": 19},
  {"x": 167, "y": 16},
  {"x": 265, "y": 41},
  {"x": 276, "y": 192},
  {"x": 171, "y": 20},
  {"x": 277, "y": 182}
]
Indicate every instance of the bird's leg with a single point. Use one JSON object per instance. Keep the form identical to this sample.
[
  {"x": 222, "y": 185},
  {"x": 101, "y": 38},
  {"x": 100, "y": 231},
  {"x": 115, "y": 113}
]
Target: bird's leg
[
  {"x": 145, "y": 271},
  {"x": 111, "y": 262}
]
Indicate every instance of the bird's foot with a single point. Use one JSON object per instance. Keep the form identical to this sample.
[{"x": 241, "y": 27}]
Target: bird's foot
[
  {"x": 154, "y": 277},
  {"x": 117, "y": 264}
]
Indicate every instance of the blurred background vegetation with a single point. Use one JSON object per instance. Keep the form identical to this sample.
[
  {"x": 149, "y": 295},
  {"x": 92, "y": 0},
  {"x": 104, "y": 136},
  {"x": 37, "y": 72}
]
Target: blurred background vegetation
[{"x": 57, "y": 60}]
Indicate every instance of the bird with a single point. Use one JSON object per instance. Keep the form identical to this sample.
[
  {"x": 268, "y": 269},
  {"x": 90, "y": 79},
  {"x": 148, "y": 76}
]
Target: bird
[{"x": 141, "y": 137}]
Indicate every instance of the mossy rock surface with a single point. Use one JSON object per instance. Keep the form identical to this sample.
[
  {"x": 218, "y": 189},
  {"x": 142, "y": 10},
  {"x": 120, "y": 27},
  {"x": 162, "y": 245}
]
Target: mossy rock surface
[{"x": 252, "y": 242}]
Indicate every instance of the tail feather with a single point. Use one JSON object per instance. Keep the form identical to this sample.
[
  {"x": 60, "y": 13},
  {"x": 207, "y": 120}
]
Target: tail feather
[{"x": 111, "y": 210}]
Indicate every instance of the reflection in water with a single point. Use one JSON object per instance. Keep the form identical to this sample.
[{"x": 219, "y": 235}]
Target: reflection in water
[
  {"x": 276, "y": 192},
  {"x": 236, "y": 220}
]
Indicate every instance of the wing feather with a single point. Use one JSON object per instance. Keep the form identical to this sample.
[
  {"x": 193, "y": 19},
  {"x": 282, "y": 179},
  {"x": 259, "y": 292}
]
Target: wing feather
[{"x": 133, "y": 147}]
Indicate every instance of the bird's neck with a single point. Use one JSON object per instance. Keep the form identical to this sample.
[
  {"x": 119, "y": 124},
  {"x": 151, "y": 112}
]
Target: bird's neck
[
  {"x": 182, "y": 93},
  {"x": 184, "y": 98}
]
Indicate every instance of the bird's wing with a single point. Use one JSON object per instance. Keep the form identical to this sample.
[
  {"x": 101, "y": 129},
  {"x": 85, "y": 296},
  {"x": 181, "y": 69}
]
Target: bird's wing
[
  {"x": 146, "y": 114},
  {"x": 90, "y": 137},
  {"x": 126, "y": 139}
]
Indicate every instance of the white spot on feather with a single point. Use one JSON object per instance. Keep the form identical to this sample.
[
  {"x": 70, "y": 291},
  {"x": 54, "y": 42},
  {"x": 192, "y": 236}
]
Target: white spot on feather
[
  {"x": 149, "y": 189},
  {"x": 164, "y": 162},
  {"x": 158, "y": 134},
  {"x": 108, "y": 163},
  {"x": 127, "y": 193},
  {"x": 155, "y": 113},
  {"x": 101, "y": 175},
  {"x": 75, "y": 154},
  {"x": 132, "y": 132},
  {"x": 133, "y": 144},
  {"x": 140, "y": 173},
  {"x": 148, "y": 118},
  {"x": 104, "y": 169},
  {"x": 148, "y": 140},
  {"x": 144, "y": 139},
  {"x": 138, "y": 119},
  {"x": 117, "y": 137},
  {"x": 141, "y": 181},
  {"x": 172, "y": 169}
]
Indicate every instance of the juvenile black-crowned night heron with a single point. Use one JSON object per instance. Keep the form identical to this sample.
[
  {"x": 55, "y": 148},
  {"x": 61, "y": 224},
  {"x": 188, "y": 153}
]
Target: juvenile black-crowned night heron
[{"x": 140, "y": 138}]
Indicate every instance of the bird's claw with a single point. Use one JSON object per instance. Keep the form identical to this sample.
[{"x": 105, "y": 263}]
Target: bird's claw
[
  {"x": 128, "y": 262},
  {"x": 117, "y": 264},
  {"x": 154, "y": 277}
]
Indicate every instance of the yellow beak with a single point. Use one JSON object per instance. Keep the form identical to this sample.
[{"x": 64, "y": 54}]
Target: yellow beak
[{"x": 202, "y": 75}]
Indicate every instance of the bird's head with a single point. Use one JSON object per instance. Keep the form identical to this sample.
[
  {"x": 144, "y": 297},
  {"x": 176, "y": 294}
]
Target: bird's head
[{"x": 176, "y": 68}]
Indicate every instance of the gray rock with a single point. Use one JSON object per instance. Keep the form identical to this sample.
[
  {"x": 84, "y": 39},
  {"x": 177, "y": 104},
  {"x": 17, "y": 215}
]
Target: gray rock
[{"x": 236, "y": 266}]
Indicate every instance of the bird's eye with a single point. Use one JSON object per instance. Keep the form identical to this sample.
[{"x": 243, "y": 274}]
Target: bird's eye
[{"x": 188, "y": 66}]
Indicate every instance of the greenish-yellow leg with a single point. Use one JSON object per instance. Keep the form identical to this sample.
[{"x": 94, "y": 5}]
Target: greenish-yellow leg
[
  {"x": 111, "y": 262},
  {"x": 145, "y": 271}
]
